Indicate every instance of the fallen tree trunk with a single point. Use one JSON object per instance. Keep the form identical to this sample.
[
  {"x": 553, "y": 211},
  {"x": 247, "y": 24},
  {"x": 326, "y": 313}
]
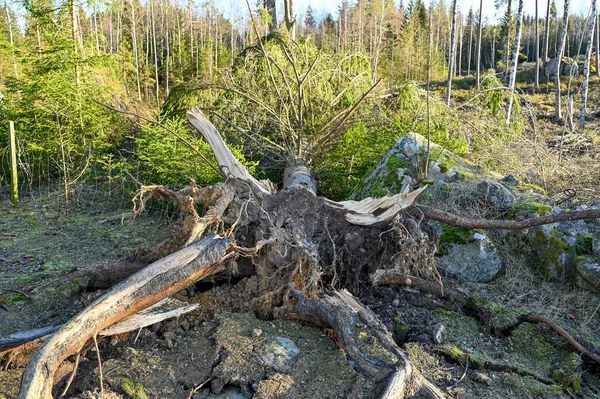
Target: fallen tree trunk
[{"x": 143, "y": 289}]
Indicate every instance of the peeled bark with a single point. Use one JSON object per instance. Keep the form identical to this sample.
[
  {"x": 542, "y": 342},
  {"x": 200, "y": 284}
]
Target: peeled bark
[{"x": 145, "y": 288}]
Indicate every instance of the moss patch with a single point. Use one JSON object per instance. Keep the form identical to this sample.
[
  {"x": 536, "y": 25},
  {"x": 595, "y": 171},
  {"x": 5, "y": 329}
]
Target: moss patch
[
  {"x": 548, "y": 252},
  {"x": 133, "y": 390},
  {"x": 529, "y": 209}
]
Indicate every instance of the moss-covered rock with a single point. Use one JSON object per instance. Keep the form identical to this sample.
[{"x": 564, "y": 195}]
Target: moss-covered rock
[
  {"x": 406, "y": 162},
  {"x": 552, "y": 255},
  {"x": 133, "y": 390},
  {"x": 587, "y": 272},
  {"x": 529, "y": 209}
]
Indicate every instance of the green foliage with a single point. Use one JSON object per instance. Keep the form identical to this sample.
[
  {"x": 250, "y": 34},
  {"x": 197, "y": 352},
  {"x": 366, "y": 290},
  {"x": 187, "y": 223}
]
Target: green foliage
[
  {"x": 359, "y": 149},
  {"x": 164, "y": 159}
]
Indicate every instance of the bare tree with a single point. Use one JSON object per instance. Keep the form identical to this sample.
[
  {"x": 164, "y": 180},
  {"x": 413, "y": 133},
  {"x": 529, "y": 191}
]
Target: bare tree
[
  {"x": 536, "y": 83},
  {"x": 559, "y": 56},
  {"x": 135, "y": 49},
  {"x": 586, "y": 67},
  {"x": 471, "y": 16},
  {"x": 546, "y": 36},
  {"x": 452, "y": 51},
  {"x": 513, "y": 73},
  {"x": 479, "y": 29}
]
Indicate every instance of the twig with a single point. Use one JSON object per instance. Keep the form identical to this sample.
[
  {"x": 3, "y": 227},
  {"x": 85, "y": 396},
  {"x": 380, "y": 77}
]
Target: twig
[
  {"x": 463, "y": 375},
  {"x": 64, "y": 392},
  {"x": 197, "y": 388},
  {"x": 99, "y": 366}
]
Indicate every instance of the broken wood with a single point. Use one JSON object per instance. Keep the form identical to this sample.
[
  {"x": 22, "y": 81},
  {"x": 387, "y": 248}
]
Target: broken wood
[
  {"x": 367, "y": 342},
  {"x": 143, "y": 289}
]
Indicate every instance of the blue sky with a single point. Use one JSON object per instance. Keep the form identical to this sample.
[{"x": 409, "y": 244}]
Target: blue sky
[{"x": 322, "y": 7}]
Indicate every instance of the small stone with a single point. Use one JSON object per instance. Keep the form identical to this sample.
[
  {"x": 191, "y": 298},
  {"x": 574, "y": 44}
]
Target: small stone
[
  {"x": 257, "y": 332},
  {"x": 185, "y": 325},
  {"x": 511, "y": 181},
  {"x": 439, "y": 333},
  {"x": 128, "y": 353},
  {"x": 396, "y": 302},
  {"x": 279, "y": 353},
  {"x": 156, "y": 327}
]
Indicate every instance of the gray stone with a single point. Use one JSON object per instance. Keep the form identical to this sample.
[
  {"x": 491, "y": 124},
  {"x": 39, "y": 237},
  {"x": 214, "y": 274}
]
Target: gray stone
[
  {"x": 477, "y": 261},
  {"x": 496, "y": 193},
  {"x": 596, "y": 243},
  {"x": 587, "y": 273},
  {"x": 279, "y": 353},
  {"x": 128, "y": 353},
  {"x": 397, "y": 169},
  {"x": 439, "y": 333},
  {"x": 511, "y": 181}
]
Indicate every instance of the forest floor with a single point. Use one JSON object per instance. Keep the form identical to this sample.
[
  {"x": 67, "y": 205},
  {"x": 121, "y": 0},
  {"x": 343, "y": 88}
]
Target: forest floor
[{"x": 39, "y": 245}]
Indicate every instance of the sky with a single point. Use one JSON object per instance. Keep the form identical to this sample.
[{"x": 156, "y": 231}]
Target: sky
[{"x": 322, "y": 7}]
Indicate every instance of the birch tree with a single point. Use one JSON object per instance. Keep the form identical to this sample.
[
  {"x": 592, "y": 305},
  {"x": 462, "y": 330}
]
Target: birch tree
[
  {"x": 513, "y": 73},
  {"x": 479, "y": 30},
  {"x": 559, "y": 56},
  {"x": 586, "y": 67},
  {"x": 546, "y": 36},
  {"x": 451, "y": 55},
  {"x": 536, "y": 83}
]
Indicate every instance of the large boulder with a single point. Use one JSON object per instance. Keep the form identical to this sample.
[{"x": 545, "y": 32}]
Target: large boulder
[{"x": 406, "y": 160}]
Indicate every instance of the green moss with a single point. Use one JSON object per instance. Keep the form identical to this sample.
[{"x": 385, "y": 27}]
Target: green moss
[
  {"x": 460, "y": 328},
  {"x": 534, "y": 188},
  {"x": 427, "y": 182},
  {"x": 548, "y": 251},
  {"x": 398, "y": 329},
  {"x": 467, "y": 175},
  {"x": 452, "y": 236},
  {"x": 396, "y": 162},
  {"x": 529, "y": 387},
  {"x": 500, "y": 317},
  {"x": 133, "y": 390},
  {"x": 529, "y": 209},
  {"x": 584, "y": 244},
  {"x": 73, "y": 286}
]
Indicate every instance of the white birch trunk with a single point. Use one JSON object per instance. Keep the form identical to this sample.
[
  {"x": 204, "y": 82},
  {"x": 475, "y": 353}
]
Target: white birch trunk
[
  {"x": 559, "y": 55},
  {"x": 451, "y": 57},
  {"x": 513, "y": 73},
  {"x": 586, "y": 67}
]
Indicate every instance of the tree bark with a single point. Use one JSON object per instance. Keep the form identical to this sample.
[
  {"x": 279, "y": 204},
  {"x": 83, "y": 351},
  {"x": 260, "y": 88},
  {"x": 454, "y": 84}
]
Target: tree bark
[
  {"x": 454, "y": 220},
  {"x": 290, "y": 17},
  {"x": 559, "y": 56},
  {"x": 536, "y": 83},
  {"x": 145, "y": 288},
  {"x": 479, "y": 44},
  {"x": 546, "y": 36},
  {"x": 451, "y": 55},
  {"x": 513, "y": 74},
  {"x": 586, "y": 66}
]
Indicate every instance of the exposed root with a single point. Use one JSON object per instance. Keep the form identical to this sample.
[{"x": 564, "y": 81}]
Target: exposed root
[
  {"x": 216, "y": 198},
  {"x": 367, "y": 342}
]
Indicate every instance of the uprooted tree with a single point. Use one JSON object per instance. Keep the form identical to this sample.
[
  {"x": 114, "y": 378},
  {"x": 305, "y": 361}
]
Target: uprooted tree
[{"x": 305, "y": 253}]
